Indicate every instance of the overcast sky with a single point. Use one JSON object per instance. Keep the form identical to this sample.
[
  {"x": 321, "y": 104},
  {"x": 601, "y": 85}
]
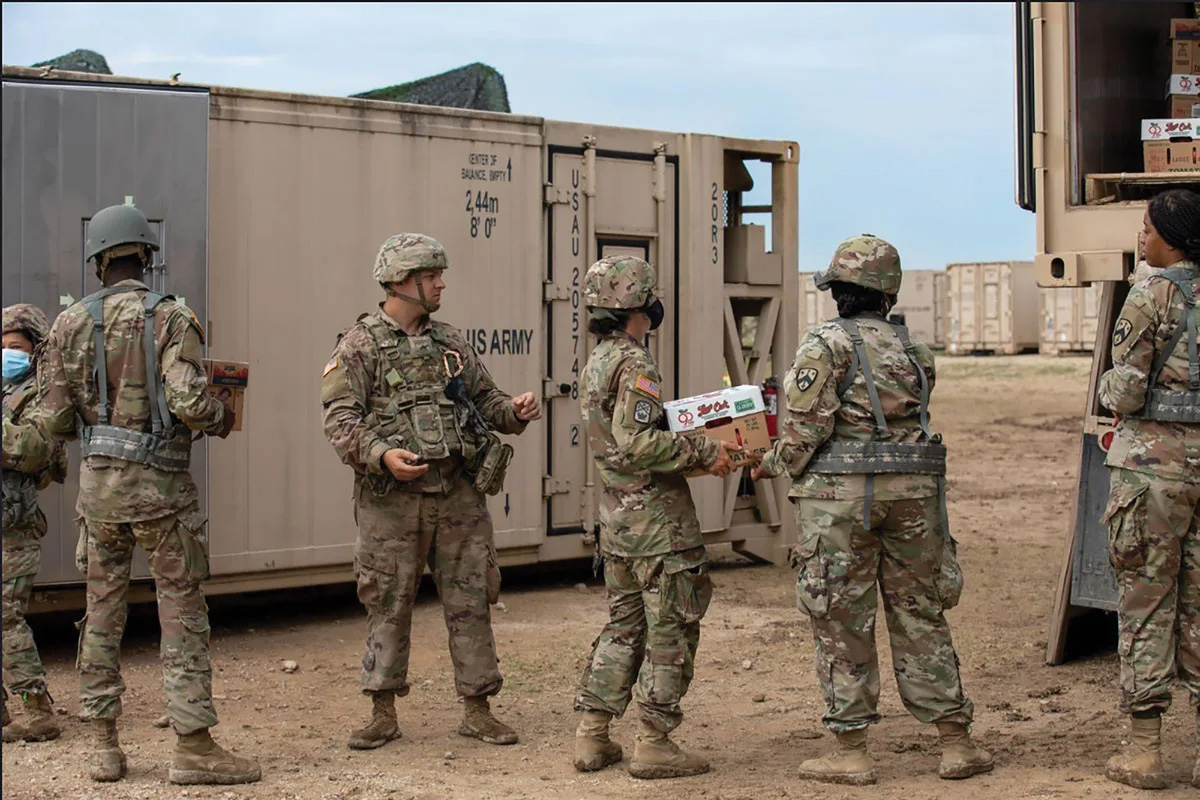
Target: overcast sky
[{"x": 903, "y": 112}]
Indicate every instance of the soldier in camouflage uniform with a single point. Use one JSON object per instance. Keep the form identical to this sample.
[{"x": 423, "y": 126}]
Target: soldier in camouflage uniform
[
  {"x": 867, "y": 485},
  {"x": 29, "y": 465},
  {"x": 125, "y": 365},
  {"x": 1153, "y": 512},
  {"x": 410, "y": 407},
  {"x": 655, "y": 565}
]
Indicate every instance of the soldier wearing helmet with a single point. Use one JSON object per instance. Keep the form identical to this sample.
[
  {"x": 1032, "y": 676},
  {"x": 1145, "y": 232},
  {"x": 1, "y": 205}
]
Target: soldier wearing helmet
[
  {"x": 867, "y": 485},
  {"x": 655, "y": 565},
  {"x": 31, "y": 462},
  {"x": 126, "y": 362},
  {"x": 409, "y": 406}
]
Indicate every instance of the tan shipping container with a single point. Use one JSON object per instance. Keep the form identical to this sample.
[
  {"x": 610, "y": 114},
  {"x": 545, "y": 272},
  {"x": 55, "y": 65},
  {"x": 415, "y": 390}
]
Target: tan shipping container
[
  {"x": 1069, "y": 320},
  {"x": 922, "y": 301},
  {"x": 290, "y": 197},
  {"x": 815, "y": 306},
  {"x": 991, "y": 308}
]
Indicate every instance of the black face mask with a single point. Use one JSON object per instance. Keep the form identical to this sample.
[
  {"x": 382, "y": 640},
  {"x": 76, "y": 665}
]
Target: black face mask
[{"x": 655, "y": 311}]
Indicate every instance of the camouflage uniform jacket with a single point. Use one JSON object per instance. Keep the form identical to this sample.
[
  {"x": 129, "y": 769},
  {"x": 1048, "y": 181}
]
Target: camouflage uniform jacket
[
  {"x": 816, "y": 410},
  {"x": 360, "y": 381},
  {"x": 111, "y": 489},
  {"x": 647, "y": 508},
  {"x": 1152, "y": 312},
  {"x": 33, "y": 459}
]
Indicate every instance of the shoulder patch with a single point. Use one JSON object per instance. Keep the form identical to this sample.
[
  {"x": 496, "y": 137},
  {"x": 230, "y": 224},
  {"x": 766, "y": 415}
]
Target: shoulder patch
[
  {"x": 330, "y": 367},
  {"x": 648, "y": 387},
  {"x": 642, "y": 412},
  {"x": 1121, "y": 331},
  {"x": 806, "y": 377}
]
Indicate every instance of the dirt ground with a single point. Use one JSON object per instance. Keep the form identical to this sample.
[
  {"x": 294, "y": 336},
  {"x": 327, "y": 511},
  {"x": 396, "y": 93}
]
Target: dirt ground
[{"x": 1012, "y": 425}]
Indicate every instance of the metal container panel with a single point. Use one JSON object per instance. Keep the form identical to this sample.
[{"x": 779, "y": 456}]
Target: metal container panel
[
  {"x": 69, "y": 150},
  {"x": 993, "y": 307},
  {"x": 921, "y": 305}
]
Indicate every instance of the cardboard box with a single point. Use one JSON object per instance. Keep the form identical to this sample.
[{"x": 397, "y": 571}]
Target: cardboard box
[
  {"x": 736, "y": 415},
  {"x": 1182, "y": 91},
  {"x": 1156, "y": 129},
  {"x": 227, "y": 381},
  {"x": 1185, "y": 56},
  {"x": 1185, "y": 28},
  {"x": 1172, "y": 156}
]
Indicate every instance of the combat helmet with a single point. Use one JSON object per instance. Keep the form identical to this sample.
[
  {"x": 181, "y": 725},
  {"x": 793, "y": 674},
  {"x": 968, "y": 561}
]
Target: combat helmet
[
  {"x": 115, "y": 226},
  {"x": 865, "y": 260},
  {"x": 405, "y": 253},
  {"x": 619, "y": 282},
  {"x": 27, "y": 319}
]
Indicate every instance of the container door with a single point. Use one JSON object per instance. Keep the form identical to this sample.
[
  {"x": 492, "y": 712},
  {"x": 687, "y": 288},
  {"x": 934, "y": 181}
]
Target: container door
[
  {"x": 601, "y": 203},
  {"x": 993, "y": 327},
  {"x": 1088, "y": 317},
  {"x": 70, "y": 150}
]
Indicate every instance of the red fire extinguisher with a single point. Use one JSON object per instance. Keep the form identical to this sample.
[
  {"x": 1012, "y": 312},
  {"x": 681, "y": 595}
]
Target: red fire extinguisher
[{"x": 770, "y": 392}]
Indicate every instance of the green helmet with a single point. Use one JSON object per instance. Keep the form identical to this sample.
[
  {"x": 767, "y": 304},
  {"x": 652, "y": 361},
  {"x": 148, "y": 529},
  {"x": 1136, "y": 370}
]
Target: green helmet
[
  {"x": 27, "y": 319},
  {"x": 405, "y": 253},
  {"x": 118, "y": 225},
  {"x": 865, "y": 260},
  {"x": 621, "y": 282}
]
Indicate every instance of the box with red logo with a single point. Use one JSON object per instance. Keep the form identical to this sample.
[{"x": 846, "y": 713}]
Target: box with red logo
[
  {"x": 227, "y": 381},
  {"x": 734, "y": 415},
  {"x": 1182, "y": 91},
  {"x": 1171, "y": 145}
]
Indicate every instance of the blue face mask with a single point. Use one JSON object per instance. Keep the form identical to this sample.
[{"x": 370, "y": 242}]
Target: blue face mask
[{"x": 16, "y": 364}]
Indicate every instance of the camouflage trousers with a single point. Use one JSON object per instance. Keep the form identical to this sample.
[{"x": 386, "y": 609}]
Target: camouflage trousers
[
  {"x": 1154, "y": 547},
  {"x": 842, "y": 569},
  {"x": 23, "y": 672},
  {"x": 397, "y": 535},
  {"x": 176, "y": 546},
  {"x": 655, "y": 605}
]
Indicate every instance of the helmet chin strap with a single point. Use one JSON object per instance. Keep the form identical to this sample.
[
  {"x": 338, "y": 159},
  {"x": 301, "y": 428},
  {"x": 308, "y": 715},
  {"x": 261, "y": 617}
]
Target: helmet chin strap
[{"x": 423, "y": 302}]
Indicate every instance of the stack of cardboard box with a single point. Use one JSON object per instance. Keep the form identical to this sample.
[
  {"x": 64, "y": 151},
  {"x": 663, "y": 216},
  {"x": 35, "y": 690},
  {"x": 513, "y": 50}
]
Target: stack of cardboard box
[{"x": 1171, "y": 144}]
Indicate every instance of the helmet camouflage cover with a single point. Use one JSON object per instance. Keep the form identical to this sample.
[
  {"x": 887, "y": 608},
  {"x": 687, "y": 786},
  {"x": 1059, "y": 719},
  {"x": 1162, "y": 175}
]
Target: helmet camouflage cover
[
  {"x": 115, "y": 226},
  {"x": 619, "y": 282},
  {"x": 405, "y": 253},
  {"x": 27, "y": 319},
  {"x": 865, "y": 260}
]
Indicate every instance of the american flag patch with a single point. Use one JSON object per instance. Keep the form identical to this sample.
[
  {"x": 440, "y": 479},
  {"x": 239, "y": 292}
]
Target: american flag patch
[
  {"x": 330, "y": 367},
  {"x": 648, "y": 386}
]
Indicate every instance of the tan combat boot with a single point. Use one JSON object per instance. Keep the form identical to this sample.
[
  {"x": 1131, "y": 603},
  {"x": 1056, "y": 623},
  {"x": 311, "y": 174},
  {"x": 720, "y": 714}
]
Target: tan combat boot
[
  {"x": 479, "y": 723},
  {"x": 656, "y": 756},
  {"x": 593, "y": 749},
  {"x": 108, "y": 761},
  {"x": 1140, "y": 765},
  {"x": 849, "y": 764},
  {"x": 198, "y": 759},
  {"x": 41, "y": 725},
  {"x": 12, "y": 732},
  {"x": 382, "y": 728},
  {"x": 961, "y": 757}
]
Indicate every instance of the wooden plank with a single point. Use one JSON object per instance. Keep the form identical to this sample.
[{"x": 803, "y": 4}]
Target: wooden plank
[{"x": 1115, "y": 187}]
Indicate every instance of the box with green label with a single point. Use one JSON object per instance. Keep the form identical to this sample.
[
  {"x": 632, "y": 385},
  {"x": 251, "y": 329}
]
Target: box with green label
[{"x": 736, "y": 414}]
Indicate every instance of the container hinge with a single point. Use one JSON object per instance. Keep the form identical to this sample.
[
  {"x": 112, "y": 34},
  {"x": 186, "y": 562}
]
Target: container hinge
[
  {"x": 552, "y": 486},
  {"x": 552, "y": 195},
  {"x": 552, "y": 388},
  {"x": 552, "y": 291}
]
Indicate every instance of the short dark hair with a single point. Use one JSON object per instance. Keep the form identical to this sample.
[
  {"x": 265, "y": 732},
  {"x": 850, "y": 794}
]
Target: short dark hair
[
  {"x": 853, "y": 299},
  {"x": 1175, "y": 214},
  {"x": 609, "y": 324}
]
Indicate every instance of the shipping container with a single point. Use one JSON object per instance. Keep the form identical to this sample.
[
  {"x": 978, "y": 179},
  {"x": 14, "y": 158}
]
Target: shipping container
[
  {"x": 991, "y": 308},
  {"x": 1087, "y": 75},
  {"x": 922, "y": 301},
  {"x": 815, "y": 306},
  {"x": 1069, "y": 319},
  {"x": 271, "y": 208}
]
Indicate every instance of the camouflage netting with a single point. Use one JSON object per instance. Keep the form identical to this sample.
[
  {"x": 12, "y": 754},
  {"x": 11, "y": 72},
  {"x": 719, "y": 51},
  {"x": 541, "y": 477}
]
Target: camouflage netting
[
  {"x": 79, "y": 61},
  {"x": 476, "y": 86}
]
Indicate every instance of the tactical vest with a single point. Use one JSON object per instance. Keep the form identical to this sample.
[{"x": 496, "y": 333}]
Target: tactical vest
[
  {"x": 927, "y": 456},
  {"x": 168, "y": 444},
  {"x": 1176, "y": 405},
  {"x": 409, "y": 405},
  {"x": 19, "y": 488}
]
